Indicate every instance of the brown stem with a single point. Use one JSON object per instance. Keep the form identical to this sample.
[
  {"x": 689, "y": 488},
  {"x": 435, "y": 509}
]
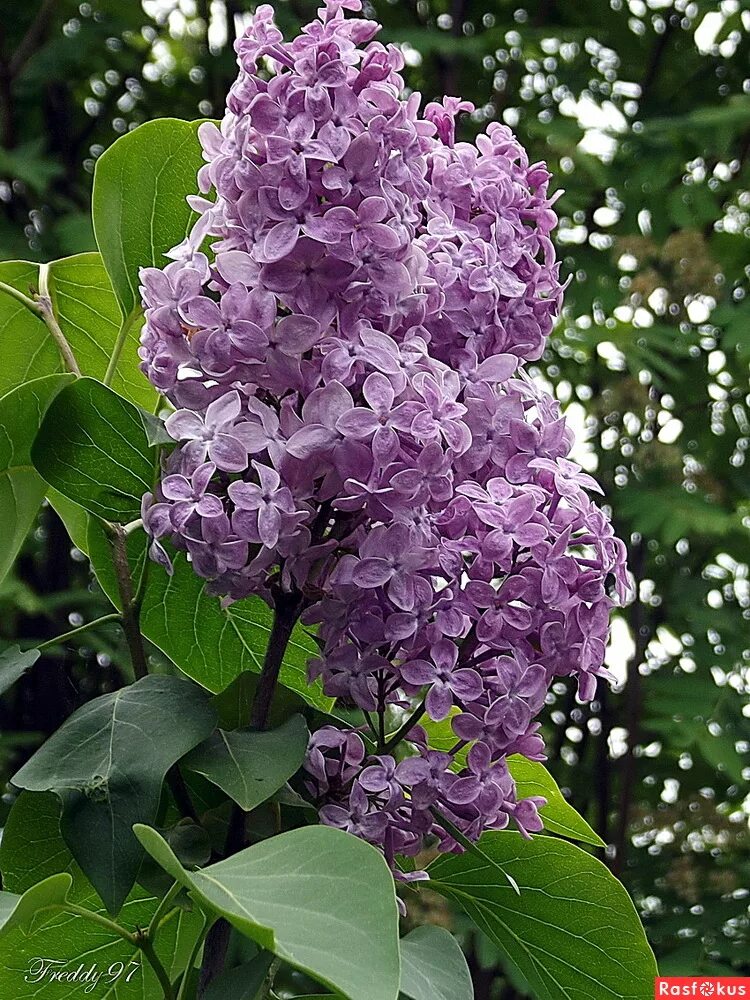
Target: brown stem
[
  {"x": 288, "y": 607},
  {"x": 131, "y": 611}
]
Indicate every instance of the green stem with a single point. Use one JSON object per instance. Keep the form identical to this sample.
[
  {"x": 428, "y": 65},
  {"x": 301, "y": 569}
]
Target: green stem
[
  {"x": 45, "y": 310},
  {"x": 42, "y": 307},
  {"x": 155, "y": 962},
  {"x": 139, "y": 940},
  {"x": 164, "y": 905},
  {"x": 192, "y": 960},
  {"x": 59, "y": 639},
  {"x": 16, "y": 294},
  {"x": 122, "y": 337},
  {"x": 97, "y": 918},
  {"x": 410, "y": 723}
]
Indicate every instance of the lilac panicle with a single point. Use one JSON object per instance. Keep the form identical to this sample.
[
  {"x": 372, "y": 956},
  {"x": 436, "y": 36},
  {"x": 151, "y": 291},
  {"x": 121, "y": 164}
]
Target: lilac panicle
[{"x": 354, "y": 421}]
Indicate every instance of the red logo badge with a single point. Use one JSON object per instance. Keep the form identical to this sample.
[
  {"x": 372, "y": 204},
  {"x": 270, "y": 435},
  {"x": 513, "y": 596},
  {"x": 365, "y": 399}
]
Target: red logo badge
[{"x": 701, "y": 986}]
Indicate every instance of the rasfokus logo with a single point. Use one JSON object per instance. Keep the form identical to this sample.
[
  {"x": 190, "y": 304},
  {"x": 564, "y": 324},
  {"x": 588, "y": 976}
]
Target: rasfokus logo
[{"x": 701, "y": 986}]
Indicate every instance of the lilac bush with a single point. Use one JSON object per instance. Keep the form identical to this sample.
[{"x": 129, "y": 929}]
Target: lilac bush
[{"x": 343, "y": 336}]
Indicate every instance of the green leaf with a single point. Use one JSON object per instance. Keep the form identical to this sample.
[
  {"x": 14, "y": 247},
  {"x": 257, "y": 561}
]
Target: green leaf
[
  {"x": 21, "y": 488},
  {"x": 32, "y": 850},
  {"x": 139, "y": 207},
  {"x": 234, "y": 704},
  {"x": 230, "y": 640},
  {"x": 531, "y": 778},
  {"x": 320, "y": 899},
  {"x": 20, "y": 911},
  {"x": 86, "y": 306},
  {"x": 26, "y": 347},
  {"x": 250, "y": 766},
  {"x": 211, "y": 644},
  {"x": 242, "y": 982},
  {"x": 572, "y": 930},
  {"x": 93, "y": 448},
  {"x": 107, "y": 763},
  {"x": 14, "y": 663},
  {"x": 73, "y": 516},
  {"x": 433, "y": 966},
  {"x": 89, "y": 317}
]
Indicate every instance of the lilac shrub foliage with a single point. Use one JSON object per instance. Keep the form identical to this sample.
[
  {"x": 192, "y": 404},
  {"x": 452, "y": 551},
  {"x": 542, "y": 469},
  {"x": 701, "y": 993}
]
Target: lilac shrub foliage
[{"x": 355, "y": 424}]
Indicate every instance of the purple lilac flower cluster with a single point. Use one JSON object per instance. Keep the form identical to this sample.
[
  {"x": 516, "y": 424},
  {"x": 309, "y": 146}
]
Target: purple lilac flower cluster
[{"x": 354, "y": 422}]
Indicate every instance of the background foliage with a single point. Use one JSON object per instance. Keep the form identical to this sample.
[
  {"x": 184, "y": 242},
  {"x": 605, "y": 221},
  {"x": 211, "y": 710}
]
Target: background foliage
[{"x": 642, "y": 111}]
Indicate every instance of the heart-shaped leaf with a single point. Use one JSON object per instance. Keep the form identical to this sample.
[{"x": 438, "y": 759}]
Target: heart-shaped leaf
[
  {"x": 107, "y": 763},
  {"x": 433, "y": 966},
  {"x": 571, "y": 929},
  {"x": 250, "y": 766},
  {"x": 139, "y": 208},
  {"x": 320, "y": 899},
  {"x": 21, "y": 487},
  {"x": 93, "y": 448}
]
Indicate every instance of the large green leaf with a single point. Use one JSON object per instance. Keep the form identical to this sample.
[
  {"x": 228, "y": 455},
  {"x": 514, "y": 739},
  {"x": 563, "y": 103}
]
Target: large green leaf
[
  {"x": 229, "y": 641},
  {"x": 27, "y": 349},
  {"x": 531, "y": 778},
  {"x": 21, "y": 488},
  {"x": 89, "y": 316},
  {"x": 14, "y": 663},
  {"x": 31, "y": 851},
  {"x": 209, "y": 643},
  {"x": 571, "y": 930},
  {"x": 93, "y": 448},
  {"x": 433, "y": 966},
  {"x": 107, "y": 763},
  {"x": 250, "y": 766},
  {"x": 47, "y": 896},
  {"x": 320, "y": 899},
  {"x": 90, "y": 319},
  {"x": 139, "y": 205}
]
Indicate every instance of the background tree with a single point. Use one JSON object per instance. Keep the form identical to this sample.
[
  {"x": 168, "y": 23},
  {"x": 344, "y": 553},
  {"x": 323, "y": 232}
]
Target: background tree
[{"x": 642, "y": 111}]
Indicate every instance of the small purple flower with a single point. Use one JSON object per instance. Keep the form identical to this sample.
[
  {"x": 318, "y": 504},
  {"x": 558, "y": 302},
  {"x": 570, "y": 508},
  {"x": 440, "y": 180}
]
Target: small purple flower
[
  {"x": 357, "y": 816},
  {"x": 430, "y": 479},
  {"x": 189, "y": 496},
  {"x": 260, "y": 507},
  {"x": 447, "y": 682},
  {"x": 217, "y": 435},
  {"x": 392, "y": 556}
]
